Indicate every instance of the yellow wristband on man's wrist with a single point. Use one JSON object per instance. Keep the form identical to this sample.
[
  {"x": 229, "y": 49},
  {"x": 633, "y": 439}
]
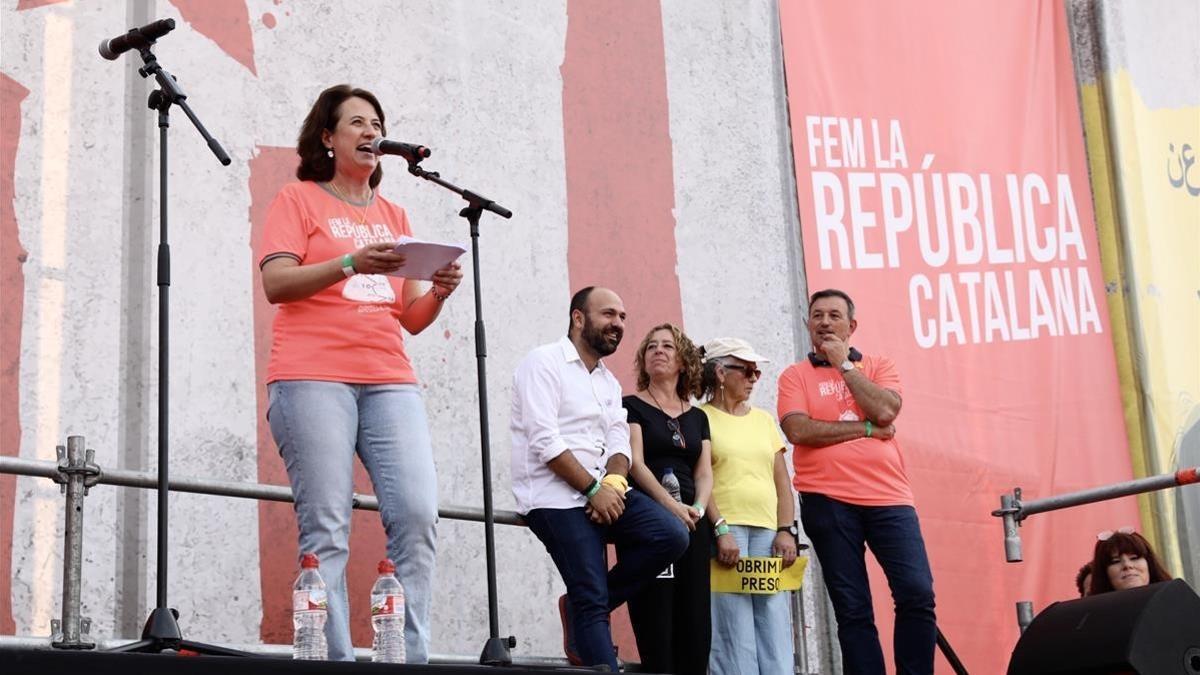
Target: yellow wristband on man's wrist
[{"x": 616, "y": 481}]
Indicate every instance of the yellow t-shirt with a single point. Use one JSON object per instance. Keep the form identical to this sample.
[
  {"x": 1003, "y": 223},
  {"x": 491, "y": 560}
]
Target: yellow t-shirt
[{"x": 743, "y": 462}]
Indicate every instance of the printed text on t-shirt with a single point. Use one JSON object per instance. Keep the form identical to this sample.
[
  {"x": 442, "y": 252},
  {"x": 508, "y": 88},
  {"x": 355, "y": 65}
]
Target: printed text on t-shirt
[
  {"x": 362, "y": 233},
  {"x": 833, "y": 388}
]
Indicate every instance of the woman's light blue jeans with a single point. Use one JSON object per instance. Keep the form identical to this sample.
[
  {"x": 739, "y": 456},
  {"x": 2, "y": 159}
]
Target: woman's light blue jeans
[
  {"x": 319, "y": 427},
  {"x": 751, "y": 634}
]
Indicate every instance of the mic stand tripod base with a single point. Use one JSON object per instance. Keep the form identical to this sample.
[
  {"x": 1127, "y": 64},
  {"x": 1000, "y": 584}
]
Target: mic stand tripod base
[
  {"x": 161, "y": 633},
  {"x": 495, "y": 651}
]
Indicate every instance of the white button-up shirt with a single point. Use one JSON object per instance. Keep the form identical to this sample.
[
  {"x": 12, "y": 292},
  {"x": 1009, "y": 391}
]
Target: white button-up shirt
[{"x": 559, "y": 406}]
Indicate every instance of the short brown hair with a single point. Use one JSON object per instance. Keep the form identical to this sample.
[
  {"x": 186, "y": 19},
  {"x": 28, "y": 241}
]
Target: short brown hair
[
  {"x": 833, "y": 293},
  {"x": 687, "y": 383},
  {"x": 1081, "y": 578},
  {"x": 315, "y": 162},
  {"x": 1121, "y": 542}
]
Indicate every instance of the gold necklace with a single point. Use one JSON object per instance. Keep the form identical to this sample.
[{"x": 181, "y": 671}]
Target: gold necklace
[
  {"x": 362, "y": 215},
  {"x": 660, "y": 407}
]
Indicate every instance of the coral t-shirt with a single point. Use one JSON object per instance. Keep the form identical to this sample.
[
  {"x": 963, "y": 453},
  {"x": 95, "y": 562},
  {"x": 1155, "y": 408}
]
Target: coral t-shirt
[
  {"x": 349, "y": 331},
  {"x": 864, "y": 471}
]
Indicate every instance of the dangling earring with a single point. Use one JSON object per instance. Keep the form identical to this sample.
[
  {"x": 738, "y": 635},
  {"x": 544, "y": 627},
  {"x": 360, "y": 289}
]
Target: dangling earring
[{"x": 329, "y": 152}]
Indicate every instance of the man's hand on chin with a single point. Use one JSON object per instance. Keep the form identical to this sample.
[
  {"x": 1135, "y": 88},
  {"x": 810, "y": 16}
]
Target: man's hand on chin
[{"x": 834, "y": 349}]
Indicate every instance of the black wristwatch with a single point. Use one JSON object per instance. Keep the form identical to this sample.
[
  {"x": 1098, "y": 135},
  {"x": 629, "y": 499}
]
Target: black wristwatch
[{"x": 791, "y": 529}]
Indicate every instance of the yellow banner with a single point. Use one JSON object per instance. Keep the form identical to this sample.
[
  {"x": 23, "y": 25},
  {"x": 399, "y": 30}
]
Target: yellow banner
[{"x": 762, "y": 576}]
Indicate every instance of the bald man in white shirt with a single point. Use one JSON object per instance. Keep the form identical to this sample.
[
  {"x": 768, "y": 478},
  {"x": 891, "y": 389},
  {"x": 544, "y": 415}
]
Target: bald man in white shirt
[{"x": 570, "y": 459}]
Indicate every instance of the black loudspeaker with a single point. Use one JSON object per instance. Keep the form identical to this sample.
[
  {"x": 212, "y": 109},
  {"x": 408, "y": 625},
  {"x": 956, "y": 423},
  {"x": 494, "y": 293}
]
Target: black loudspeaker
[{"x": 1153, "y": 630}]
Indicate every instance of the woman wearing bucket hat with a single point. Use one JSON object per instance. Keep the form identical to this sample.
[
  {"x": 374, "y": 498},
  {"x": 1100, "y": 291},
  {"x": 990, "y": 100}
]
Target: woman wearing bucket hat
[{"x": 752, "y": 510}]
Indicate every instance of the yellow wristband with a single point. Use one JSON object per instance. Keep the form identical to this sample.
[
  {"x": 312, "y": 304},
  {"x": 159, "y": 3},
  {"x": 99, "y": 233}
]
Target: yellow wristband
[{"x": 616, "y": 481}]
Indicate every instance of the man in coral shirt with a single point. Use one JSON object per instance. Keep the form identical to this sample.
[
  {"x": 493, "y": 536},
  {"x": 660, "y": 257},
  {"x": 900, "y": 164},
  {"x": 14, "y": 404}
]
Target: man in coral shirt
[{"x": 839, "y": 408}]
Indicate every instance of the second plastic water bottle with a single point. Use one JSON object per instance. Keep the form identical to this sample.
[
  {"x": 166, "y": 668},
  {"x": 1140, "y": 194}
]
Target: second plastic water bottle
[
  {"x": 671, "y": 482},
  {"x": 387, "y": 616},
  {"x": 309, "y": 612}
]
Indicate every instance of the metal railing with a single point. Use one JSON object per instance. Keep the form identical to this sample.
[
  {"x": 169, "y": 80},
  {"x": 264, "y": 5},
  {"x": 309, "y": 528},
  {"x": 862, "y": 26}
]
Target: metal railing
[
  {"x": 260, "y": 491},
  {"x": 76, "y": 472}
]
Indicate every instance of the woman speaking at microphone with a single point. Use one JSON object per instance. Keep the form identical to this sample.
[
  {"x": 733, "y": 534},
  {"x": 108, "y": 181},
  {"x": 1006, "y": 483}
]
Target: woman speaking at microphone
[{"x": 339, "y": 380}]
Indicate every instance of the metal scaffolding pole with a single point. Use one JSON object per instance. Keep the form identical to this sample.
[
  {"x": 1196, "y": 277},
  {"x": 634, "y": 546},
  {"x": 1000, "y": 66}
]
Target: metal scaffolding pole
[
  {"x": 76, "y": 471},
  {"x": 272, "y": 493},
  {"x": 1013, "y": 511}
]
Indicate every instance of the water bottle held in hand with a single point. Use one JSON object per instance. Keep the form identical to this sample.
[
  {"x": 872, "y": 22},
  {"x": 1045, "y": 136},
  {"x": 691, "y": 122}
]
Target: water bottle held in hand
[
  {"x": 308, "y": 612},
  {"x": 387, "y": 616},
  {"x": 671, "y": 483}
]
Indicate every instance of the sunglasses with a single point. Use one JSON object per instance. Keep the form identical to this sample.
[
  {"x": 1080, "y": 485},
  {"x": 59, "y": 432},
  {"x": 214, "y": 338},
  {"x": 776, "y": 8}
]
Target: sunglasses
[
  {"x": 746, "y": 370},
  {"x": 1108, "y": 534},
  {"x": 676, "y": 435}
]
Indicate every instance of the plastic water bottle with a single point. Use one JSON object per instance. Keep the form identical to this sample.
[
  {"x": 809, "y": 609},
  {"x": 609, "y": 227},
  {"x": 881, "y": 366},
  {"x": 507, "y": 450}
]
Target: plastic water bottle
[
  {"x": 671, "y": 483},
  {"x": 308, "y": 612},
  {"x": 387, "y": 616}
]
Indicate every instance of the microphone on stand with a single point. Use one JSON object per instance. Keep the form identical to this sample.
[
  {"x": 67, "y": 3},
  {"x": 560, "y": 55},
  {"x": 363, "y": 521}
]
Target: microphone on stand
[
  {"x": 136, "y": 38},
  {"x": 409, "y": 151}
]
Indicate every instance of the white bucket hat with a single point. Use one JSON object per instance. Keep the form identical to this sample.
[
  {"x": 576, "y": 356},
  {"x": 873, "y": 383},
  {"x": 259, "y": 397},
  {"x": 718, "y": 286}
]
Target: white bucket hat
[{"x": 735, "y": 347}]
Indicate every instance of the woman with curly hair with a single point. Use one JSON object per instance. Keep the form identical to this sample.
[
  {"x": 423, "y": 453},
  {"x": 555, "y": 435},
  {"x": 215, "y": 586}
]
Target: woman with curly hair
[
  {"x": 1124, "y": 559},
  {"x": 666, "y": 433}
]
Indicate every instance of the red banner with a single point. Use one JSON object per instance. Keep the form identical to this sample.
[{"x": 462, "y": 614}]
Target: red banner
[{"x": 942, "y": 183}]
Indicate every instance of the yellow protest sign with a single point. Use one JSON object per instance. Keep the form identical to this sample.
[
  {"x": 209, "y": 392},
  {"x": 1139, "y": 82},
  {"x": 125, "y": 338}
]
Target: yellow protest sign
[{"x": 763, "y": 575}]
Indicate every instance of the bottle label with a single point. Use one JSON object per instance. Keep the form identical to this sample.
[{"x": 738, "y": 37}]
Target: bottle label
[
  {"x": 308, "y": 600},
  {"x": 382, "y": 603}
]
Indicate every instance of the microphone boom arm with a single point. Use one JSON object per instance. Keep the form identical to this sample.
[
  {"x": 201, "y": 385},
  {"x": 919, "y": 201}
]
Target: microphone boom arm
[{"x": 474, "y": 199}]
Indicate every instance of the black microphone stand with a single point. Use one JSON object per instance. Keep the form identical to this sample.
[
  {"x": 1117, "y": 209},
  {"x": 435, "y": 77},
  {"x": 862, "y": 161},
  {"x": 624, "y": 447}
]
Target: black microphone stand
[
  {"x": 495, "y": 650},
  {"x": 951, "y": 656},
  {"x": 161, "y": 631}
]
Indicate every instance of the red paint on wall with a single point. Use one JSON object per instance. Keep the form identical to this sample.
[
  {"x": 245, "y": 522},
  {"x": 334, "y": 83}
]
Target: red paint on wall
[
  {"x": 277, "y": 534},
  {"x": 12, "y": 311},
  {"x": 226, "y": 22},
  {"x": 31, "y": 4},
  {"x": 620, "y": 175},
  {"x": 269, "y": 170}
]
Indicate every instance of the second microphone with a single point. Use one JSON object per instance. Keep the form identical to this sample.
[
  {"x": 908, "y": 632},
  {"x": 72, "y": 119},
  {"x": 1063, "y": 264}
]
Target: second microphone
[{"x": 409, "y": 151}]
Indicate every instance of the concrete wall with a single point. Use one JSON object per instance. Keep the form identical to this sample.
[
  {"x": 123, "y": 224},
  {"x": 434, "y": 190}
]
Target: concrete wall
[{"x": 480, "y": 82}]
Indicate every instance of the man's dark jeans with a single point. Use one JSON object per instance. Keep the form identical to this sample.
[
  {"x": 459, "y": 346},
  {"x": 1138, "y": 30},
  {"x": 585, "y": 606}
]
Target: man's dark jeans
[
  {"x": 647, "y": 537},
  {"x": 838, "y": 532}
]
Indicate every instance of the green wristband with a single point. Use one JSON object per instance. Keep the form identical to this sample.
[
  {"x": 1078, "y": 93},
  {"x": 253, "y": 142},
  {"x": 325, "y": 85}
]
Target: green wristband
[
  {"x": 868, "y": 428},
  {"x": 699, "y": 507},
  {"x": 592, "y": 489},
  {"x": 348, "y": 265},
  {"x": 722, "y": 529}
]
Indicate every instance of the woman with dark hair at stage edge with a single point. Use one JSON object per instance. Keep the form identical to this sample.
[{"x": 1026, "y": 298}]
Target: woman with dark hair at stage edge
[
  {"x": 339, "y": 380},
  {"x": 1124, "y": 559},
  {"x": 670, "y": 616}
]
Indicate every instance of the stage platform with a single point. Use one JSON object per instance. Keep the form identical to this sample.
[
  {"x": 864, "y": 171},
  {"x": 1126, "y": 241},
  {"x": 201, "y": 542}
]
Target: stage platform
[{"x": 56, "y": 662}]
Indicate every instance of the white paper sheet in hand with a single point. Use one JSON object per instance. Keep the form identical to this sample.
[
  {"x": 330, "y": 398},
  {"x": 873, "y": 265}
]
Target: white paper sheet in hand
[{"x": 424, "y": 257}]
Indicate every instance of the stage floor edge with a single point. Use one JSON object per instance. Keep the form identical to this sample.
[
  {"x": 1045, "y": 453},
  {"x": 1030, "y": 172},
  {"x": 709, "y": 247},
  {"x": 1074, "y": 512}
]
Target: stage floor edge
[{"x": 44, "y": 661}]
